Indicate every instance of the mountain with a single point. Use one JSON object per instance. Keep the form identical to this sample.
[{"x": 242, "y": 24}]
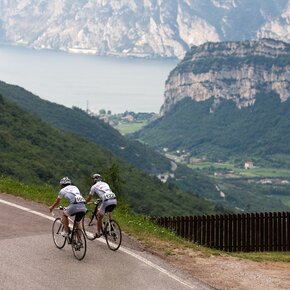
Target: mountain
[
  {"x": 79, "y": 122},
  {"x": 34, "y": 152},
  {"x": 226, "y": 100},
  {"x": 163, "y": 28},
  {"x": 234, "y": 71}
]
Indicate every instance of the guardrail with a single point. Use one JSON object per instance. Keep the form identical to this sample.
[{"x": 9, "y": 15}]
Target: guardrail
[{"x": 247, "y": 232}]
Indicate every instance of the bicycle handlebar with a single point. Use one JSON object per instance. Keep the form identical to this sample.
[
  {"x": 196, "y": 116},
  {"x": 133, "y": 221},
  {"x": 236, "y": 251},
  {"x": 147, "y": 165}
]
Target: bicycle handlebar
[
  {"x": 59, "y": 208},
  {"x": 94, "y": 202}
]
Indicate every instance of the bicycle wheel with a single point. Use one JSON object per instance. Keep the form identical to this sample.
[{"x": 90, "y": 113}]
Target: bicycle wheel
[
  {"x": 90, "y": 227},
  {"x": 113, "y": 235},
  {"x": 57, "y": 229},
  {"x": 79, "y": 244}
]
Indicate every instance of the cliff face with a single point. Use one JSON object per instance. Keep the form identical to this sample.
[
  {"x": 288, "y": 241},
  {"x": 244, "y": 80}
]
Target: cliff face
[
  {"x": 235, "y": 71},
  {"x": 163, "y": 28}
]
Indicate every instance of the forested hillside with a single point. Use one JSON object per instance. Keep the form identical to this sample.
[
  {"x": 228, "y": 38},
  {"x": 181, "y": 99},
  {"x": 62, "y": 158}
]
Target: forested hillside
[
  {"x": 259, "y": 132},
  {"x": 77, "y": 121},
  {"x": 34, "y": 152}
]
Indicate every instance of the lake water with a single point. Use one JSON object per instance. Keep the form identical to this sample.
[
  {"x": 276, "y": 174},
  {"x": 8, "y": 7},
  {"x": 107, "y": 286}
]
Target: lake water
[{"x": 87, "y": 81}]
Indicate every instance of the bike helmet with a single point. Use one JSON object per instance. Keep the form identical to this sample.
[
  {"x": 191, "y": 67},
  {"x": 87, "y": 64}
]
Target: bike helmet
[
  {"x": 65, "y": 181},
  {"x": 97, "y": 177}
]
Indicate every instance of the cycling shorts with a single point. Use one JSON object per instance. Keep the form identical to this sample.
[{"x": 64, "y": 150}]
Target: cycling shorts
[
  {"x": 73, "y": 209},
  {"x": 107, "y": 206}
]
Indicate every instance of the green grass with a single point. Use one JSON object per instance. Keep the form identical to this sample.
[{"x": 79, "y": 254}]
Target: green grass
[
  {"x": 39, "y": 193},
  {"x": 251, "y": 173},
  {"x": 128, "y": 128},
  {"x": 139, "y": 227},
  {"x": 284, "y": 199},
  {"x": 265, "y": 172},
  {"x": 207, "y": 164},
  {"x": 264, "y": 256}
]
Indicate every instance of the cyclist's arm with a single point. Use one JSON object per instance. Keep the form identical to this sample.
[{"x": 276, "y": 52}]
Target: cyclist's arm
[
  {"x": 56, "y": 203},
  {"x": 89, "y": 197}
]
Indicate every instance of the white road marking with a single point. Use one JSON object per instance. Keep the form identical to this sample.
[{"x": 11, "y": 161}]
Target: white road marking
[{"x": 123, "y": 249}]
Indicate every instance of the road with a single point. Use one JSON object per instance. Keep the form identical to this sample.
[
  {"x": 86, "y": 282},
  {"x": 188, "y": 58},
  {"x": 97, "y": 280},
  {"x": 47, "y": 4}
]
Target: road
[{"x": 30, "y": 260}]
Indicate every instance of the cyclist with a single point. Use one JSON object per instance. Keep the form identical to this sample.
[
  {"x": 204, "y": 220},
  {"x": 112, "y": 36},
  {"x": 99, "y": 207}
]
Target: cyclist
[
  {"x": 76, "y": 205},
  {"x": 108, "y": 200}
]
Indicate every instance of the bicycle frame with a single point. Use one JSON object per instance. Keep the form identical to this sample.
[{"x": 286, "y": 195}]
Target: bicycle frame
[
  {"x": 76, "y": 237},
  {"x": 110, "y": 228}
]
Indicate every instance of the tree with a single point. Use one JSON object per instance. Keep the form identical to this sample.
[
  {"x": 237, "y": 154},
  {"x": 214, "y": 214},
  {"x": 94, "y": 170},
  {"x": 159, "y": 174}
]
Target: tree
[{"x": 102, "y": 112}]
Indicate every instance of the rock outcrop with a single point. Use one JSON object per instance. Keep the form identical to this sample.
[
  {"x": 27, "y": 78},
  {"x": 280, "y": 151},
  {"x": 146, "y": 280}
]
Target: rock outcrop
[{"x": 234, "y": 71}]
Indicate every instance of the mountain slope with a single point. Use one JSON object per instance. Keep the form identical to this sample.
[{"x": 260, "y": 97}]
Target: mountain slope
[
  {"x": 261, "y": 130},
  {"x": 235, "y": 71},
  {"x": 189, "y": 181},
  {"x": 166, "y": 28},
  {"x": 34, "y": 152},
  {"x": 226, "y": 100},
  {"x": 77, "y": 121}
]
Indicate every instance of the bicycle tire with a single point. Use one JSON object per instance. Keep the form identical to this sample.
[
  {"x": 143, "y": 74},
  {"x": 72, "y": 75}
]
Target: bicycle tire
[
  {"x": 113, "y": 235},
  {"x": 90, "y": 227},
  {"x": 79, "y": 244},
  {"x": 57, "y": 228}
]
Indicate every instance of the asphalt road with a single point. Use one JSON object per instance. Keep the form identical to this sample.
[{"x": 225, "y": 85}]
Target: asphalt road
[{"x": 30, "y": 260}]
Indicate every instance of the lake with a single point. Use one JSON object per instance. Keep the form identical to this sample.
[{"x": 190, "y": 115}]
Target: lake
[{"x": 87, "y": 81}]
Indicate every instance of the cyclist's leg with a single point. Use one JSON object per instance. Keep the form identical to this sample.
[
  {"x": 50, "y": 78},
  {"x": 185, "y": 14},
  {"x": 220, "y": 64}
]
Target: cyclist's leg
[
  {"x": 72, "y": 210},
  {"x": 65, "y": 221},
  {"x": 78, "y": 218},
  {"x": 100, "y": 214},
  {"x": 99, "y": 223},
  {"x": 109, "y": 209}
]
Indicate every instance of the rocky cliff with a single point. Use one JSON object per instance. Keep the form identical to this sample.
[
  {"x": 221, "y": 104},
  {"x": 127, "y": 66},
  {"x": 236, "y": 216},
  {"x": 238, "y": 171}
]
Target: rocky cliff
[
  {"x": 162, "y": 28},
  {"x": 235, "y": 71}
]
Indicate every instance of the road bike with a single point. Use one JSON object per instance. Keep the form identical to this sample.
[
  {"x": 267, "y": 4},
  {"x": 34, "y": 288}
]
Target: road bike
[
  {"x": 76, "y": 236},
  {"x": 110, "y": 228}
]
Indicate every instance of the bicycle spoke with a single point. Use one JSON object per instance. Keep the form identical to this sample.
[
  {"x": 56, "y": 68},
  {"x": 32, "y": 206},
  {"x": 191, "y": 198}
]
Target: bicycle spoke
[
  {"x": 113, "y": 235},
  {"x": 78, "y": 243},
  {"x": 57, "y": 229}
]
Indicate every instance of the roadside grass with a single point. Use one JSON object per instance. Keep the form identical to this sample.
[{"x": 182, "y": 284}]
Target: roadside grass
[
  {"x": 264, "y": 256},
  {"x": 40, "y": 193},
  {"x": 153, "y": 237}
]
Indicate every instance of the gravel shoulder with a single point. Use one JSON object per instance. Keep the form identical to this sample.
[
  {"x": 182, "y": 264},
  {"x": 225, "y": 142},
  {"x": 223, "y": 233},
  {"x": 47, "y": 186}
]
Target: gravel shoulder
[{"x": 223, "y": 271}]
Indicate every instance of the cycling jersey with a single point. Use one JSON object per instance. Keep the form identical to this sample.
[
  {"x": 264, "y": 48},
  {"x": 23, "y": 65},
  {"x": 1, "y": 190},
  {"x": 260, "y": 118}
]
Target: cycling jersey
[
  {"x": 76, "y": 201},
  {"x": 105, "y": 193},
  {"x": 103, "y": 190},
  {"x": 72, "y": 194}
]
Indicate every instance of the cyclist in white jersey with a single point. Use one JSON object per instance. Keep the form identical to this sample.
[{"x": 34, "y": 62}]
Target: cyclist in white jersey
[
  {"x": 76, "y": 205},
  {"x": 108, "y": 199}
]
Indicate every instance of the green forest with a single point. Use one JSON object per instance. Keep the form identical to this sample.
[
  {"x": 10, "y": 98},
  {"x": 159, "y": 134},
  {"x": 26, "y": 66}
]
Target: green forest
[
  {"x": 259, "y": 132},
  {"x": 33, "y": 152},
  {"x": 97, "y": 146}
]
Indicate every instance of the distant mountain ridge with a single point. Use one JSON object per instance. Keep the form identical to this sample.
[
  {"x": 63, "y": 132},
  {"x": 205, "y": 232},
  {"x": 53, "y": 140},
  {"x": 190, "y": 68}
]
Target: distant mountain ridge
[
  {"x": 228, "y": 100},
  {"x": 163, "y": 28},
  {"x": 235, "y": 71}
]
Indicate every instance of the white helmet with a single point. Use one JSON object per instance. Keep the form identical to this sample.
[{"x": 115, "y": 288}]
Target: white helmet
[
  {"x": 97, "y": 177},
  {"x": 65, "y": 181}
]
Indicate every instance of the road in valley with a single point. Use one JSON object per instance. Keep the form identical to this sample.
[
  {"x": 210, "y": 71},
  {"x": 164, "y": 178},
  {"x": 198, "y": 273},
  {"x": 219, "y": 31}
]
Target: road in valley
[{"x": 30, "y": 260}]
